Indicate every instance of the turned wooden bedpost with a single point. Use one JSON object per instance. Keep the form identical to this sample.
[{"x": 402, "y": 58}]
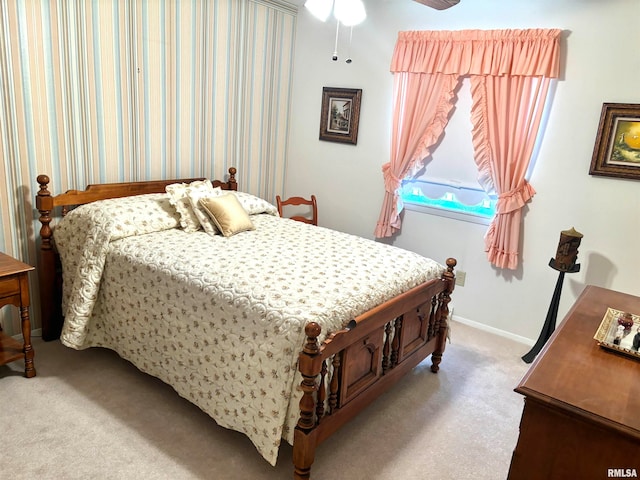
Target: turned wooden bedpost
[
  {"x": 233, "y": 185},
  {"x": 310, "y": 366},
  {"x": 443, "y": 314},
  {"x": 49, "y": 308}
]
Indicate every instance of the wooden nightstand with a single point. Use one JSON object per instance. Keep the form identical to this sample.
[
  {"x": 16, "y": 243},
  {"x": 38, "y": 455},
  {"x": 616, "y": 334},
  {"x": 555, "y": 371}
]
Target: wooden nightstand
[{"x": 14, "y": 290}]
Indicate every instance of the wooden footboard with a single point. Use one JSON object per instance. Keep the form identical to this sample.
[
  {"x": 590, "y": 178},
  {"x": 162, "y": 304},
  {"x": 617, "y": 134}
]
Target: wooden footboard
[
  {"x": 354, "y": 366},
  {"x": 49, "y": 271}
]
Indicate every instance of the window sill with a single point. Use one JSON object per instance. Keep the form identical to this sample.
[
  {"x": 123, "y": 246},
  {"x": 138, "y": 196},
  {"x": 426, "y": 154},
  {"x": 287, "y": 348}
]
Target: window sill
[{"x": 441, "y": 212}]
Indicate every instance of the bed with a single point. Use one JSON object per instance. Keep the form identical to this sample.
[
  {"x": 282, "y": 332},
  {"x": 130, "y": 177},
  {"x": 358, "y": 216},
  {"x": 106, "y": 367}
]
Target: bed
[{"x": 275, "y": 328}]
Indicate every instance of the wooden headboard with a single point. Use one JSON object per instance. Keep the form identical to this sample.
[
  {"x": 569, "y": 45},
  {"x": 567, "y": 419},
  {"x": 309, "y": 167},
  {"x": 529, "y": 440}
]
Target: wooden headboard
[{"x": 49, "y": 269}]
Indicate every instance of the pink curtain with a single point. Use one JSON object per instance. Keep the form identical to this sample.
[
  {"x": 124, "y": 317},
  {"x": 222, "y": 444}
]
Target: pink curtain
[
  {"x": 506, "y": 114},
  {"x": 510, "y": 72},
  {"x": 421, "y": 111}
]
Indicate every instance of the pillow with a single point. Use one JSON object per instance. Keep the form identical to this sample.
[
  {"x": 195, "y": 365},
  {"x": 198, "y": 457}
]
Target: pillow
[
  {"x": 139, "y": 214},
  {"x": 117, "y": 218},
  {"x": 227, "y": 213},
  {"x": 254, "y": 205},
  {"x": 194, "y": 194},
  {"x": 178, "y": 197}
]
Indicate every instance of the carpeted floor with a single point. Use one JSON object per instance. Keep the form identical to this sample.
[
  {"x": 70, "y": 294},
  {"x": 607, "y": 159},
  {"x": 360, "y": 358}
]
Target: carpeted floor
[{"x": 92, "y": 415}]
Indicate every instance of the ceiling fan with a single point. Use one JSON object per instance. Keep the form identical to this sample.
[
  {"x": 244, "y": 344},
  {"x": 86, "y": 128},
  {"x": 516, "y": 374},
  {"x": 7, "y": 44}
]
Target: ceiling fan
[{"x": 438, "y": 4}]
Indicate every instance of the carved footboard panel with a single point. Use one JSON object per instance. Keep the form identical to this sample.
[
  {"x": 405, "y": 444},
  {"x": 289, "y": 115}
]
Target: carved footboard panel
[{"x": 356, "y": 365}]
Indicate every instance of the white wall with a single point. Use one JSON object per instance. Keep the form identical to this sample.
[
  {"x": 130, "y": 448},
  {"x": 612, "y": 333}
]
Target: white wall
[{"x": 600, "y": 63}]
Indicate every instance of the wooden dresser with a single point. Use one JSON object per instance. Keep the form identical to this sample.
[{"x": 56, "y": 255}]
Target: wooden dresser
[
  {"x": 14, "y": 290},
  {"x": 581, "y": 417}
]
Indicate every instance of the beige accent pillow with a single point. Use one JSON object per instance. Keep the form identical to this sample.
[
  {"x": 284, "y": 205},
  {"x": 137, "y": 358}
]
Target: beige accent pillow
[{"x": 227, "y": 214}]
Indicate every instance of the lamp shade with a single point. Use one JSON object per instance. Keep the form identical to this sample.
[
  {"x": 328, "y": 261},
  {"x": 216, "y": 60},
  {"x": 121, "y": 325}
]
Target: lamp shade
[
  {"x": 321, "y": 9},
  {"x": 349, "y": 12}
]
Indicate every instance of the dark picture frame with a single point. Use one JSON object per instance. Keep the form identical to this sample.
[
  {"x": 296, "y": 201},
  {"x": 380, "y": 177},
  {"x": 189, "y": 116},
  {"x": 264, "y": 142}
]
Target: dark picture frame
[
  {"x": 617, "y": 148},
  {"x": 340, "y": 114}
]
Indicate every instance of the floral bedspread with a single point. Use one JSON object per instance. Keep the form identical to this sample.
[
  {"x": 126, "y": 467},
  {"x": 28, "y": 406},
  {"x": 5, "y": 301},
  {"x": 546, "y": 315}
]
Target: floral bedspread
[{"x": 220, "y": 319}]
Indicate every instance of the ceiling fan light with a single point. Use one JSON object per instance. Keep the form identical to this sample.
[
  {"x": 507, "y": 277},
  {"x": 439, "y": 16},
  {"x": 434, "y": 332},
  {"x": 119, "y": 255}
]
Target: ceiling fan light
[
  {"x": 349, "y": 12},
  {"x": 321, "y": 9}
]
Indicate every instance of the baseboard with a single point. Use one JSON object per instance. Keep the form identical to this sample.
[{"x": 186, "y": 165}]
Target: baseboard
[
  {"x": 496, "y": 331},
  {"x": 34, "y": 333}
]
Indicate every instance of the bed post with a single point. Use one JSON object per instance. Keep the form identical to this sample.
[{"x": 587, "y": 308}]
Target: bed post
[
  {"x": 442, "y": 325},
  {"x": 304, "y": 443},
  {"x": 49, "y": 308},
  {"x": 233, "y": 185}
]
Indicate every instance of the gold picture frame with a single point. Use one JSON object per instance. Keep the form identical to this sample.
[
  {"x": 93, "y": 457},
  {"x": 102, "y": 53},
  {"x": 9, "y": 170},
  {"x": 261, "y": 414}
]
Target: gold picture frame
[
  {"x": 340, "y": 114},
  {"x": 614, "y": 336},
  {"x": 617, "y": 148}
]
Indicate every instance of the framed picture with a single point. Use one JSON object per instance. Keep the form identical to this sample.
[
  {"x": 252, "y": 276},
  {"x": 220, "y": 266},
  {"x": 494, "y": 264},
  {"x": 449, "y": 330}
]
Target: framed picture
[
  {"x": 340, "y": 114},
  {"x": 620, "y": 331},
  {"x": 617, "y": 148}
]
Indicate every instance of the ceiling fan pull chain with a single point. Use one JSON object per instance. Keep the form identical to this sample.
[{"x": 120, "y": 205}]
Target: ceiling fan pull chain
[
  {"x": 335, "y": 50},
  {"x": 348, "y": 60}
]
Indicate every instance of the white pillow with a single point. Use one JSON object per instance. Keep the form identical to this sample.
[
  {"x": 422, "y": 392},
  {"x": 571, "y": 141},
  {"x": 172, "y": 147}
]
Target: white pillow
[
  {"x": 254, "y": 205},
  {"x": 194, "y": 194},
  {"x": 178, "y": 197}
]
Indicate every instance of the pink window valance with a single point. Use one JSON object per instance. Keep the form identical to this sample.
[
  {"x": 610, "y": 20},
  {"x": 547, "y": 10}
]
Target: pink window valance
[{"x": 532, "y": 52}]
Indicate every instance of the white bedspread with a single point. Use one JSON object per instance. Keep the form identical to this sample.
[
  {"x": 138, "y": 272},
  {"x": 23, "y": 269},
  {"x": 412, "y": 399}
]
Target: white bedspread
[{"x": 220, "y": 319}]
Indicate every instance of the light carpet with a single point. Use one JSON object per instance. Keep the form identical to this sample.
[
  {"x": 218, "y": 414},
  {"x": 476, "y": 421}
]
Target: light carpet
[{"x": 92, "y": 415}]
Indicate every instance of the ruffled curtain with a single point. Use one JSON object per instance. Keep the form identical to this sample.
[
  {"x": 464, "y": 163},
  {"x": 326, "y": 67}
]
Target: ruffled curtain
[
  {"x": 510, "y": 72},
  {"x": 506, "y": 114},
  {"x": 423, "y": 102},
  {"x": 533, "y": 52}
]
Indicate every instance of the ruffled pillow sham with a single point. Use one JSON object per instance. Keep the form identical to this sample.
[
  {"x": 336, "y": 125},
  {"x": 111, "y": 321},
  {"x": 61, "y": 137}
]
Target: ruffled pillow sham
[
  {"x": 194, "y": 194},
  {"x": 179, "y": 196}
]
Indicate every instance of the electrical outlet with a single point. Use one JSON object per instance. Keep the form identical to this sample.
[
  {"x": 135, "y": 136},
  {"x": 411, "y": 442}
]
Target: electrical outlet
[{"x": 460, "y": 278}]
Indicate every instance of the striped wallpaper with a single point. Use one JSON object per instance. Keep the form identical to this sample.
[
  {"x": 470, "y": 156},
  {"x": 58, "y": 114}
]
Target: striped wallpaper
[{"x": 111, "y": 90}]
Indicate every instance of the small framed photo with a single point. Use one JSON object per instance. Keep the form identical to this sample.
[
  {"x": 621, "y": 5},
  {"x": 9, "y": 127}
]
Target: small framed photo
[
  {"x": 340, "y": 114},
  {"x": 620, "y": 331},
  {"x": 617, "y": 149}
]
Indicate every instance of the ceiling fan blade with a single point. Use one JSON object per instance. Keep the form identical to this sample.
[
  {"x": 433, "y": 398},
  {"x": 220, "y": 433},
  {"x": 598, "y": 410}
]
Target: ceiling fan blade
[{"x": 438, "y": 4}]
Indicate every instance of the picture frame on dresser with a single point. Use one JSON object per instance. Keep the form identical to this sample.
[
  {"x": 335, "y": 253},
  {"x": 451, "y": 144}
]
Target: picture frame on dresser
[
  {"x": 617, "y": 148},
  {"x": 340, "y": 114}
]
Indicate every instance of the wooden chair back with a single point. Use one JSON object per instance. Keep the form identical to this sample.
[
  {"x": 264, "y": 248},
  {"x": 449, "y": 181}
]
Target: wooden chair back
[{"x": 311, "y": 218}]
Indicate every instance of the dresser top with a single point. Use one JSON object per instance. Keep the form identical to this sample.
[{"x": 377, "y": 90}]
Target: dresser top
[{"x": 573, "y": 373}]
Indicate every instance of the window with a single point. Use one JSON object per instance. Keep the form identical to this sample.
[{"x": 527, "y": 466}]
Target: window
[
  {"x": 448, "y": 185},
  {"x": 510, "y": 73},
  {"x": 470, "y": 204}
]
